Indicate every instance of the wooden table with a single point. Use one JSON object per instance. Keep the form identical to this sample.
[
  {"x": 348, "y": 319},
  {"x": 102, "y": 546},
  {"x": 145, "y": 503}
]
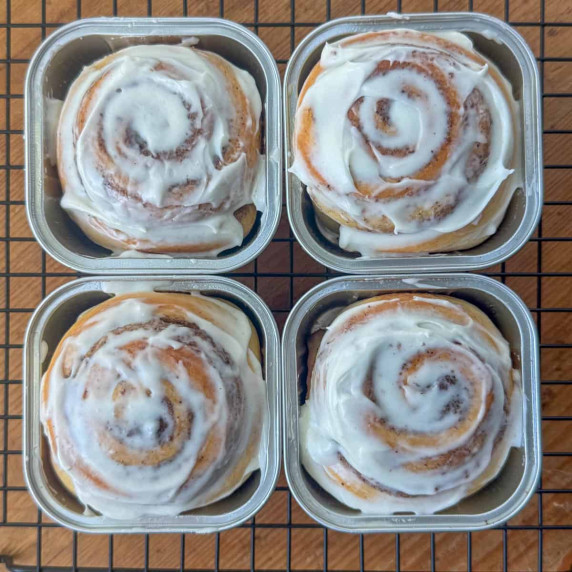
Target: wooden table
[{"x": 541, "y": 274}]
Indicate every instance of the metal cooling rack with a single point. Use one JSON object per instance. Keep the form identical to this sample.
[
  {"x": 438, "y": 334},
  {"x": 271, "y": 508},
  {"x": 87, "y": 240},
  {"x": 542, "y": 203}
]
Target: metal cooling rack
[{"x": 539, "y": 540}]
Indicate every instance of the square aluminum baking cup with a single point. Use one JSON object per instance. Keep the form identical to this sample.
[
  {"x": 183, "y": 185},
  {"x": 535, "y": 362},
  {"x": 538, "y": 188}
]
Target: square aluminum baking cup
[
  {"x": 59, "y": 60},
  {"x": 53, "y": 318},
  {"x": 496, "y": 503},
  {"x": 501, "y": 44}
]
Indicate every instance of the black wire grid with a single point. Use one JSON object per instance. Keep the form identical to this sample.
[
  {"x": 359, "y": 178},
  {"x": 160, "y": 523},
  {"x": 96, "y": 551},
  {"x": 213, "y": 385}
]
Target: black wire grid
[{"x": 283, "y": 273}]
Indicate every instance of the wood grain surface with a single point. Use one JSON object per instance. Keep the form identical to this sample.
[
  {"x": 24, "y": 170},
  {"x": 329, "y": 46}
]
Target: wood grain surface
[{"x": 541, "y": 274}]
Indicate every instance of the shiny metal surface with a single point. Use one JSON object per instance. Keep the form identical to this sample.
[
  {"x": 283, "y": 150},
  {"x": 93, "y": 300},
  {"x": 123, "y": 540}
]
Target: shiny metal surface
[
  {"x": 58, "y": 61},
  {"x": 52, "y": 319},
  {"x": 502, "y": 45},
  {"x": 499, "y": 500}
]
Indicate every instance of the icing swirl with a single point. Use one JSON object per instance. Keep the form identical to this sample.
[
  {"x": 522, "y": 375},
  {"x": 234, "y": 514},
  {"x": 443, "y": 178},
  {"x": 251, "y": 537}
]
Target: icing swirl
[
  {"x": 407, "y": 140},
  {"x": 158, "y": 151},
  {"x": 154, "y": 404},
  {"x": 412, "y": 404}
]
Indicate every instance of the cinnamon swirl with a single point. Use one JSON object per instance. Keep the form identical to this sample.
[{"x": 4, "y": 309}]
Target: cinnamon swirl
[
  {"x": 408, "y": 141},
  {"x": 153, "y": 404},
  {"x": 413, "y": 404},
  {"x": 158, "y": 151}
]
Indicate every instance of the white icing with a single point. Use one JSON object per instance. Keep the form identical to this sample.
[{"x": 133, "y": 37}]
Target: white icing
[
  {"x": 120, "y": 287},
  {"x": 349, "y": 159},
  {"x": 190, "y": 41},
  {"x": 89, "y": 424},
  {"x": 491, "y": 35},
  {"x": 53, "y": 110},
  {"x": 432, "y": 399},
  {"x": 259, "y": 186},
  {"x": 44, "y": 350},
  {"x": 162, "y": 129}
]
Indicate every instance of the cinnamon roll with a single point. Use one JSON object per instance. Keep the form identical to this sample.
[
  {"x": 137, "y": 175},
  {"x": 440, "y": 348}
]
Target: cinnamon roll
[
  {"x": 408, "y": 141},
  {"x": 413, "y": 404},
  {"x": 158, "y": 151},
  {"x": 153, "y": 404}
]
